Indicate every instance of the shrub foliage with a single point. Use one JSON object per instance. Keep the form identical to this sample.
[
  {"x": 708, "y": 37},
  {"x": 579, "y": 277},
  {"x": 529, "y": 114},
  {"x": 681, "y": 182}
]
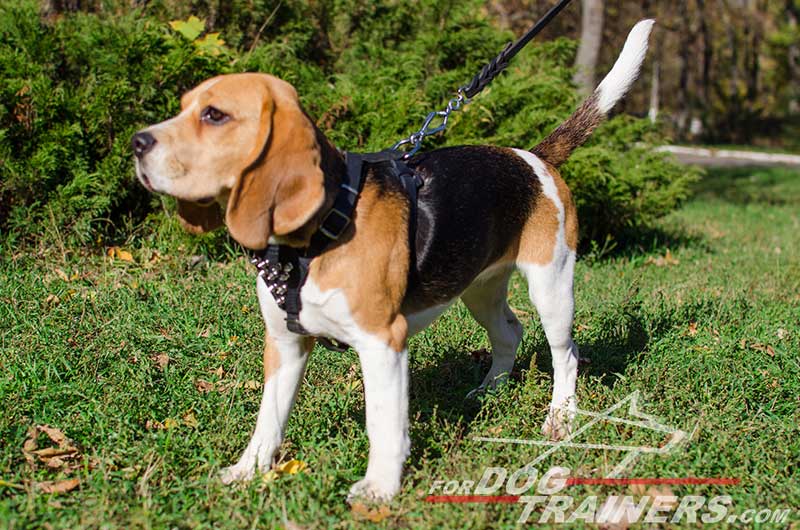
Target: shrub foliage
[{"x": 74, "y": 88}]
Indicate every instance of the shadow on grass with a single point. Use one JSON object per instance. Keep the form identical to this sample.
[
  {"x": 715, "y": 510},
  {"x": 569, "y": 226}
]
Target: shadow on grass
[{"x": 621, "y": 336}]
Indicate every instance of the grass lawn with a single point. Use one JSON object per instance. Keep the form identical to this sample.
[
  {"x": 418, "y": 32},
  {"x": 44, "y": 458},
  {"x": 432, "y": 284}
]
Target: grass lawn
[{"x": 152, "y": 368}]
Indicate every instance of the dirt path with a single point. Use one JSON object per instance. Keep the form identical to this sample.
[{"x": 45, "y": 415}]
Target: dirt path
[{"x": 728, "y": 158}]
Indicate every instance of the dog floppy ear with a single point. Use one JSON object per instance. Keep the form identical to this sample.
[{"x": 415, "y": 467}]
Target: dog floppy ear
[
  {"x": 283, "y": 186},
  {"x": 197, "y": 218}
]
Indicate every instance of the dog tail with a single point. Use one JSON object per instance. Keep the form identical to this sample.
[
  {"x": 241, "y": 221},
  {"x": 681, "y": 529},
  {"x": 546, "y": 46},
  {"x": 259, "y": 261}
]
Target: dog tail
[{"x": 571, "y": 134}]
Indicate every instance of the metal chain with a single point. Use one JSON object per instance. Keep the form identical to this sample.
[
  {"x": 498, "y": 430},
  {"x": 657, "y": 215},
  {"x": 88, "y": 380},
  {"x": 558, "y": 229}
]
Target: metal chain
[
  {"x": 415, "y": 140},
  {"x": 478, "y": 83}
]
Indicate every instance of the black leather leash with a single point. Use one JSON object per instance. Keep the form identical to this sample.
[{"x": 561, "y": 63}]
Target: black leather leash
[
  {"x": 284, "y": 269},
  {"x": 499, "y": 63}
]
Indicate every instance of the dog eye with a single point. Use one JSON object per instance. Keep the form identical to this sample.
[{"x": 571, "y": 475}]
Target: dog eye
[{"x": 214, "y": 116}]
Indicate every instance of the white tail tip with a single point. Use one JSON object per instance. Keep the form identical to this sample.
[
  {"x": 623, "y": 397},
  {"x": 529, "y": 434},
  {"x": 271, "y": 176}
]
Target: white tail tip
[{"x": 626, "y": 69}]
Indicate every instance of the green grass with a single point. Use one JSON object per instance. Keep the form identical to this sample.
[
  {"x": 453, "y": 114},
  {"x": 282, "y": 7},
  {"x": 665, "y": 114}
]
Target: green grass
[{"x": 686, "y": 332}]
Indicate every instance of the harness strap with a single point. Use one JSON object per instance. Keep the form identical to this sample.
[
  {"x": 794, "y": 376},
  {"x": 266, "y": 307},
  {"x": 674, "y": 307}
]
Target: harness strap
[{"x": 284, "y": 269}]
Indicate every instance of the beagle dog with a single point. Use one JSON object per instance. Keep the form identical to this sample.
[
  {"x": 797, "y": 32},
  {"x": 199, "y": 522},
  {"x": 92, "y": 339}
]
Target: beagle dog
[{"x": 243, "y": 152}]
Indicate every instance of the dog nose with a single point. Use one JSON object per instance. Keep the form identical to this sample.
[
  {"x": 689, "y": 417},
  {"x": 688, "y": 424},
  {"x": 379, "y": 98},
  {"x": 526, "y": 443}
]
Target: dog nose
[{"x": 143, "y": 143}]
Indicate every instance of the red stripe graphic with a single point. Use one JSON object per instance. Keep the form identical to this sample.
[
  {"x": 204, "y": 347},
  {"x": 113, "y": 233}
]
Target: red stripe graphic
[{"x": 652, "y": 481}]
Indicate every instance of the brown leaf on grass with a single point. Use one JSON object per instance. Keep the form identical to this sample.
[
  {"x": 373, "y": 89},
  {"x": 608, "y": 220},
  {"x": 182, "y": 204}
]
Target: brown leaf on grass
[
  {"x": 376, "y": 515},
  {"x": 120, "y": 254},
  {"x": 54, "y": 434},
  {"x": 60, "y": 486},
  {"x": 692, "y": 330},
  {"x": 190, "y": 420},
  {"x": 219, "y": 372},
  {"x": 663, "y": 261},
  {"x": 520, "y": 312},
  {"x": 61, "y": 274},
  {"x": 52, "y": 457},
  {"x": 153, "y": 425},
  {"x": 204, "y": 386},
  {"x": 205, "y": 333},
  {"x": 252, "y": 385},
  {"x": 52, "y": 299},
  {"x": 162, "y": 360},
  {"x": 764, "y": 348},
  {"x": 30, "y": 445}
]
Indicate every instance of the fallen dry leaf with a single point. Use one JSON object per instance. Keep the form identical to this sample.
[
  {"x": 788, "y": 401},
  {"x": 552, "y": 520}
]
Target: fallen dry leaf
[
  {"x": 662, "y": 261},
  {"x": 376, "y": 515},
  {"x": 291, "y": 467},
  {"x": 52, "y": 299},
  {"x": 495, "y": 430},
  {"x": 54, "y": 434},
  {"x": 204, "y": 386},
  {"x": 52, "y": 457},
  {"x": 252, "y": 385},
  {"x": 190, "y": 420},
  {"x": 60, "y": 486},
  {"x": 764, "y": 348},
  {"x": 120, "y": 254},
  {"x": 692, "y": 331},
  {"x": 162, "y": 360},
  {"x": 219, "y": 372},
  {"x": 61, "y": 274}
]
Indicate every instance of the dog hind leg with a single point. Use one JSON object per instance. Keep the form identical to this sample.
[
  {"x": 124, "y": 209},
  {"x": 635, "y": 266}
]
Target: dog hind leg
[
  {"x": 488, "y": 304},
  {"x": 550, "y": 289}
]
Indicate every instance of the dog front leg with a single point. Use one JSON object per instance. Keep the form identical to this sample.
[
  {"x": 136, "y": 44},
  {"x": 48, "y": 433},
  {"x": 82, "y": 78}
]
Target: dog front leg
[
  {"x": 284, "y": 364},
  {"x": 385, "y": 371}
]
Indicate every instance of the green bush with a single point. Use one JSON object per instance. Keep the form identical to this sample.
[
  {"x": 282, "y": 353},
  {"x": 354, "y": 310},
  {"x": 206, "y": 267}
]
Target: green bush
[{"x": 73, "y": 89}]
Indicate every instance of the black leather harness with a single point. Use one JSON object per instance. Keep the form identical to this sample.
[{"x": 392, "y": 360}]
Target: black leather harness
[{"x": 284, "y": 269}]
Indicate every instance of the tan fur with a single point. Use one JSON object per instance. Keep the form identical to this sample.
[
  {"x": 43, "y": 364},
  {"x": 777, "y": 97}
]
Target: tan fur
[
  {"x": 570, "y": 212},
  {"x": 272, "y": 357},
  {"x": 538, "y": 238},
  {"x": 371, "y": 266}
]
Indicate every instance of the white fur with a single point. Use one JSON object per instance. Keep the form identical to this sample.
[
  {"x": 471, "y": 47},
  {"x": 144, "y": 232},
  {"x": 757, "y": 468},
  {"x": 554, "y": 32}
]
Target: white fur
[
  {"x": 550, "y": 290},
  {"x": 626, "y": 69},
  {"x": 277, "y": 398},
  {"x": 385, "y": 371}
]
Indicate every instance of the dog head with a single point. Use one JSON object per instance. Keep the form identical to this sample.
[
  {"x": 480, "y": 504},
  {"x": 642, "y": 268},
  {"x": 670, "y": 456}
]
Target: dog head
[{"x": 241, "y": 143}]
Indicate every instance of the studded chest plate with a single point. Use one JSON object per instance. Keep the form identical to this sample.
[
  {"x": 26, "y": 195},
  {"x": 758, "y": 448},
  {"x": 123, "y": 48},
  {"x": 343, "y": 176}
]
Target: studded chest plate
[{"x": 276, "y": 276}]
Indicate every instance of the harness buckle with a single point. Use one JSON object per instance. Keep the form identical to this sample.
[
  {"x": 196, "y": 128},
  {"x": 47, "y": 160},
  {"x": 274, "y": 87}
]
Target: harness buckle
[{"x": 335, "y": 232}]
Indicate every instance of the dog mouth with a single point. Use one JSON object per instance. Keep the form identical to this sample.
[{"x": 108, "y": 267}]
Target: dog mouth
[
  {"x": 206, "y": 201},
  {"x": 146, "y": 182}
]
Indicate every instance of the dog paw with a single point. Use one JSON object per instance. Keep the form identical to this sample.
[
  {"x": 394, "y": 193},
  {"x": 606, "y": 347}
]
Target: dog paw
[
  {"x": 372, "y": 491},
  {"x": 490, "y": 384},
  {"x": 236, "y": 473},
  {"x": 558, "y": 424}
]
